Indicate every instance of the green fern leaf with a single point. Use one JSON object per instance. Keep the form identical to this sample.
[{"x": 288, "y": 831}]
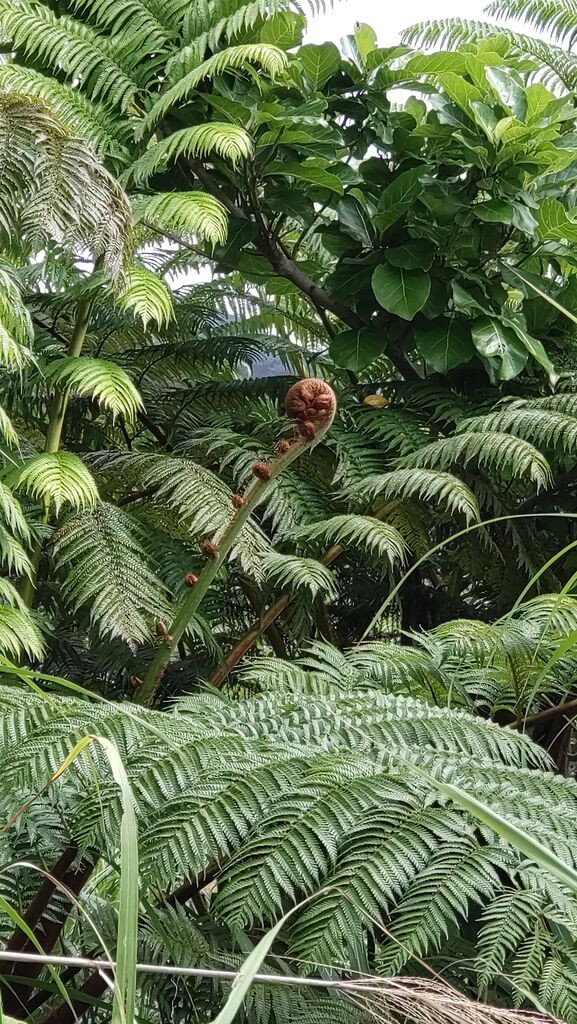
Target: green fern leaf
[
  {"x": 424, "y": 485},
  {"x": 499, "y": 452},
  {"x": 542, "y": 427},
  {"x": 193, "y": 214},
  {"x": 297, "y": 574},
  {"x": 269, "y": 59},
  {"x": 58, "y": 477},
  {"x": 376, "y": 537},
  {"x": 68, "y": 45},
  {"x": 107, "y": 573},
  {"x": 147, "y": 296},
  {"x": 107, "y": 382},
  {"x": 19, "y": 634},
  {"x": 229, "y": 141}
]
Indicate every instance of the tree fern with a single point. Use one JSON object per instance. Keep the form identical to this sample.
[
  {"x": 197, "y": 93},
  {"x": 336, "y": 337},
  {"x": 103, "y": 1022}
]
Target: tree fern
[
  {"x": 15, "y": 324},
  {"x": 148, "y": 297},
  {"x": 272, "y": 61},
  {"x": 85, "y": 118},
  {"x": 66, "y": 43},
  {"x": 19, "y": 633},
  {"x": 106, "y": 574},
  {"x": 189, "y": 213},
  {"x": 229, "y": 141},
  {"x": 300, "y": 574},
  {"x": 107, "y": 382},
  {"x": 501, "y": 452},
  {"x": 545, "y": 428},
  {"x": 114, "y": 16},
  {"x": 423, "y": 485},
  {"x": 379, "y": 538},
  {"x": 58, "y": 477}
]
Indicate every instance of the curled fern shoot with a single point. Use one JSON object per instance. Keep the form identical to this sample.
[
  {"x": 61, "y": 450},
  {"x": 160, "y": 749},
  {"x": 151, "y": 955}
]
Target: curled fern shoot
[{"x": 311, "y": 404}]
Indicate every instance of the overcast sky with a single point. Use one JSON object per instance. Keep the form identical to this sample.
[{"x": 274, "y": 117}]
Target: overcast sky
[{"x": 388, "y": 17}]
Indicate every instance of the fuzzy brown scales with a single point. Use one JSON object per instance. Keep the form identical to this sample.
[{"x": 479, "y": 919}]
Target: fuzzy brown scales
[
  {"x": 238, "y": 501},
  {"x": 311, "y": 404},
  {"x": 190, "y": 579},
  {"x": 210, "y": 548},
  {"x": 262, "y": 471}
]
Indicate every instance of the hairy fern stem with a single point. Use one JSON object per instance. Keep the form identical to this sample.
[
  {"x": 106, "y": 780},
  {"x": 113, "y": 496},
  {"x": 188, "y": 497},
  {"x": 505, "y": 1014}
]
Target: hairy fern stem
[{"x": 219, "y": 548}]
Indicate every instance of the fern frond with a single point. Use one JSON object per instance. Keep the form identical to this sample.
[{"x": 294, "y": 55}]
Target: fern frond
[
  {"x": 104, "y": 381},
  {"x": 366, "y": 532},
  {"x": 424, "y": 485},
  {"x": 229, "y": 141},
  {"x": 287, "y": 572},
  {"x": 19, "y": 634},
  {"x": 68, "y": 45},
  {"x": 16, "y": 330},
  {"x": 542, "y": 427},
  {"x": 269, "y": 59},
  {"x": 556, "y": 18},
  {"x": 147, "y": 296},
  {"x": 499, "y": 452},
  {"x": 12, "y": 513},
  {"x": 131, "y": 17},
  {"x": 85, "y": 118},
  {"x": 106, "y": 572},
  {"x": 557, "y": 65},
  {"x": 58, "y": 477},
  {"x": 195, "y": 214},
  {"x": 12, "y": 554}
]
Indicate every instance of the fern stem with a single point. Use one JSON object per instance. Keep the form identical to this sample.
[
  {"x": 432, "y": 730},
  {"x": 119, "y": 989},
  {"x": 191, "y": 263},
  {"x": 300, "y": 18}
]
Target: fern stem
[
  {"x": 270, "y": 615},
  {"x": 54, "y": 437},
  {"x": 60, "y": 402},
  {"x": 222, "y": 545}
]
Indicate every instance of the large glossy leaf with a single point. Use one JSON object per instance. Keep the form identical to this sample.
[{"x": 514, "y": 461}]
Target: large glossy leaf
[
  {"x": 399, "y": 291},
  {"x": 553, "y": 222},
  {"x": 499, "y": 343},
  {"x": 355, "y": 220},
  {"x": 284, "y": 29},
  {"x": 508, "y": 87},
  {"x": 319, "y": 62},
  {"x": 445, "y": 343},
  {"x": 398, "y": 197},
  {"x": 306, "y": 172},
  {"x": 414, "y": 254},
  {"x": 536, "y": 349},
  {"x": 356, "y": 349}
]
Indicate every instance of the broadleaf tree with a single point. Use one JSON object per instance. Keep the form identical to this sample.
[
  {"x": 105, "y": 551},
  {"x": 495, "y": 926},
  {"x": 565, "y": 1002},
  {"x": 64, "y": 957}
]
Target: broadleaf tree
[{"x": 292, "y": 218}]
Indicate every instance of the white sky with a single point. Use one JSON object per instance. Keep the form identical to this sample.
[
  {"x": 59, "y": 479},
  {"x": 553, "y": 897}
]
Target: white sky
[{"x": 386, "y": 17}]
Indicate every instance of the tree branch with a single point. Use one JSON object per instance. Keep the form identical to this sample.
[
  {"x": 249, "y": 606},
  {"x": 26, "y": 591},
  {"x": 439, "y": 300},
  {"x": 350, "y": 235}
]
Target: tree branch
[{"x": 284, "y": 266}]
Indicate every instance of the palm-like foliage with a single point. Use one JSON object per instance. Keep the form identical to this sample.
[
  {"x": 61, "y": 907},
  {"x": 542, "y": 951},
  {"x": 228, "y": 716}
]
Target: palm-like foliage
[
  {"x": 149, "y": 394},
  {"x": 298, "y": 787},
  {"x": 554, "y": 21}
]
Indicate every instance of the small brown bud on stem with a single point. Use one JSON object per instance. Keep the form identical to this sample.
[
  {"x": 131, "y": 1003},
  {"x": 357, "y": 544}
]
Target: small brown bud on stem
[
  {"x": 210, "y": 549},
  {"x": 262, "y": 470},
  {"x": 238, "y": 501},
  {"x": 190, "y": 579}
]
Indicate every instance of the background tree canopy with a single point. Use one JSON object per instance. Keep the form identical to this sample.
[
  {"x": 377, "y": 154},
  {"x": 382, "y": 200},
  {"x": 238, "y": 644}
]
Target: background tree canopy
[{"x": 274, "y": 611}]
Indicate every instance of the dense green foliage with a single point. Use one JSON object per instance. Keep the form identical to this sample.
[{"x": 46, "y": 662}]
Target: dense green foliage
[{"x": 196, "y": 211}]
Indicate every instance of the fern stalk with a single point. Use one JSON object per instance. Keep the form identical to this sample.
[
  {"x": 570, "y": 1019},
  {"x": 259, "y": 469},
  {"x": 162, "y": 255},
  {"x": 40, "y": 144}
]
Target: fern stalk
[
  {"x": 312, "y": 405},
  {"x": 54, "y": 434},
  {"x": 271, "y": 614}
]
